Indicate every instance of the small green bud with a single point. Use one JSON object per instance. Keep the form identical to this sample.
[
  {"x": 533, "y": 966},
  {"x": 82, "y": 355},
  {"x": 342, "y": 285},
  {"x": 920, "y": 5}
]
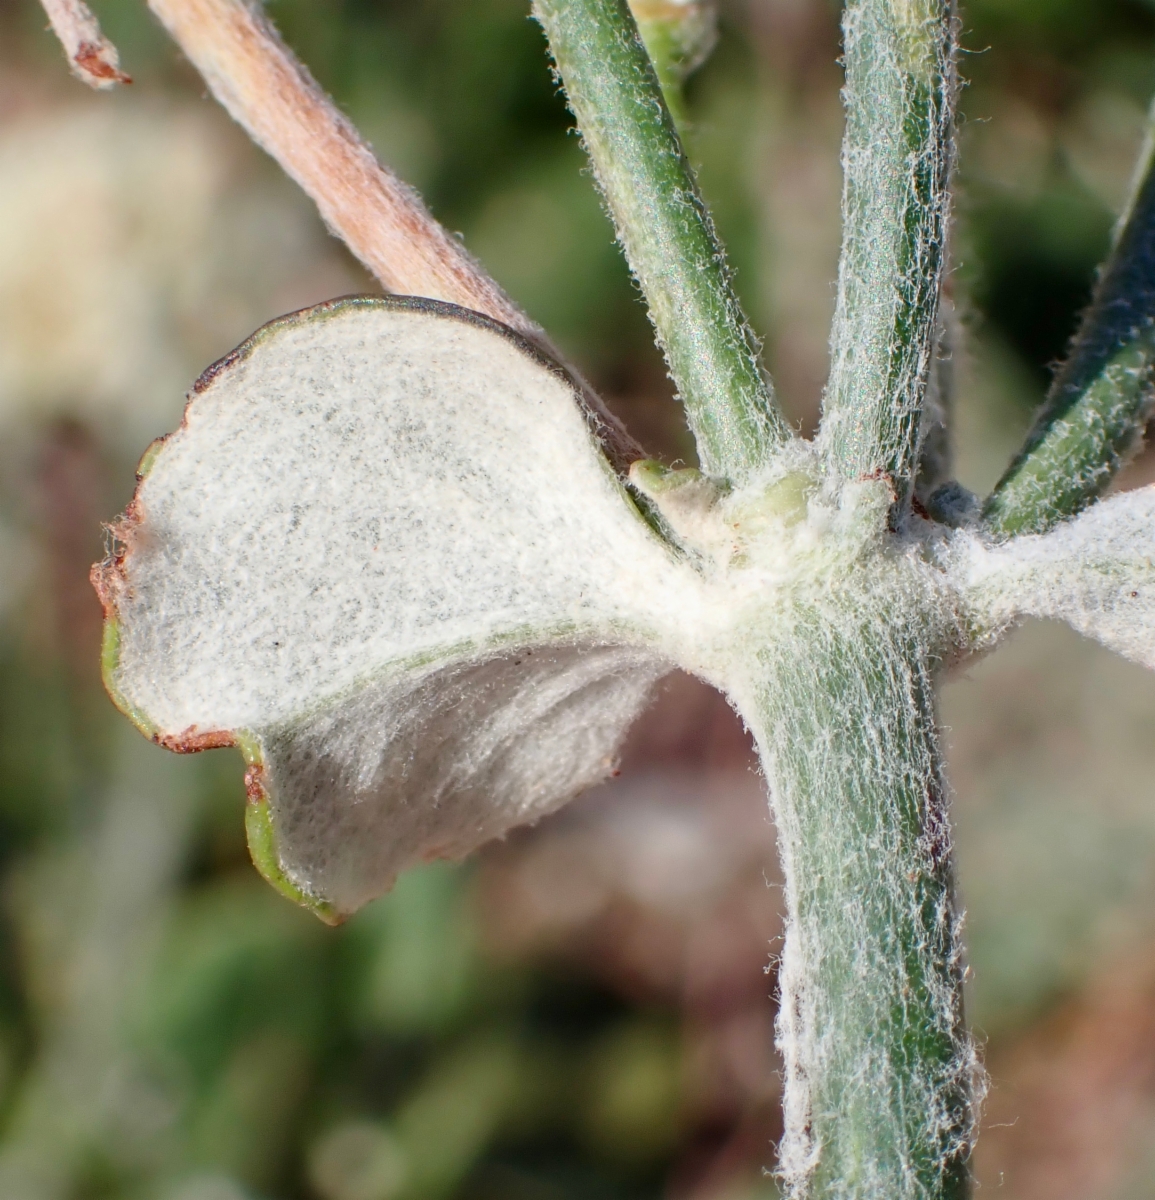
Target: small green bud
[
  {"x": 783, "y": 502},
  {"x": 654, "y": 479},
  {"x": 679, "y": 36}
]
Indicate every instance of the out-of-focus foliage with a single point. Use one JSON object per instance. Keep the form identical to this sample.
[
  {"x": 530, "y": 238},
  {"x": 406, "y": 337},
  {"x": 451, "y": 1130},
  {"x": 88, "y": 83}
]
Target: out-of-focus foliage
[{"x": 584, "y": 1011}]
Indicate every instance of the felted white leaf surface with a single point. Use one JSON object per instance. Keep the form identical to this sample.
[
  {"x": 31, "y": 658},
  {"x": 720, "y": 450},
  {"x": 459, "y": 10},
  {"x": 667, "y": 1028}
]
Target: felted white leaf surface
[
  {"x": 385, "y": 555},
  {"x": 1096, "y": 572}
]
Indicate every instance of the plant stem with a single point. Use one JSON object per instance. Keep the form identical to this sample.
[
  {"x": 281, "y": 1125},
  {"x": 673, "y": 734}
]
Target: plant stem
[
  {"x": 666, "y": 233},
  {"x": 1101, "y": 399},
  {"x": 879, "y": 1070},
  {"x": 267, "y": 91},
  {"x": 91, "y": 56},
  {"x": 896, "y": 159},
  {"x": 272, "y": 96}
]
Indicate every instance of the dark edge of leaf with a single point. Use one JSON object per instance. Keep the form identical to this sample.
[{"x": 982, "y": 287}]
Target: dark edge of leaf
[{"x": 606, "y": 432}]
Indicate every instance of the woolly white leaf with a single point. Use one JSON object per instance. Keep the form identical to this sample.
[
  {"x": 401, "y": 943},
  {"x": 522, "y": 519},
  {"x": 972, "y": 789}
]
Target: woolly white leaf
[
  {"x": 385, "y": 555},
  {"x": 1096, "y": 572}
]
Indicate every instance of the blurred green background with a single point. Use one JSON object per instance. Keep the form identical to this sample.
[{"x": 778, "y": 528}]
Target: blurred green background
[{"x": 584, "y": 1011}]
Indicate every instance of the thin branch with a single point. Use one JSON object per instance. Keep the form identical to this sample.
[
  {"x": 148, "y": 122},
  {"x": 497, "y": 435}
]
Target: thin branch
[
  {"x": 92, "y": 57},
  {"x": 1099, "y": 402},
  {"x": 666, "y": 232},
  {"x": 271, "y": 94},
  {"x": 896, "y": 158}
]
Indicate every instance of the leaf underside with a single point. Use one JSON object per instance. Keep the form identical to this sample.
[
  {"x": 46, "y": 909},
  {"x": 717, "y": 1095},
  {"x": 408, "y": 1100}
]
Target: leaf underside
[
  {"x": 385, "y": 552},
  {"x": 1096, "y": 572}
]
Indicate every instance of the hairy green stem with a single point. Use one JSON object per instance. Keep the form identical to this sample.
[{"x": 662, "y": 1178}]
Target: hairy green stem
[
  {"x": 880, "y": 1075},
  {"x": 666, "y": 233},
  {"x": 899, "y": 99},
  {"x": 1104, "y": 394}
]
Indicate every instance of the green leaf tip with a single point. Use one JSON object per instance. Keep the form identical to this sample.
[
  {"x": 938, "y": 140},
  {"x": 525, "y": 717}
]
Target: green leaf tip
[
  {"x": 262, "y": 842},
  {"x": 679, "y": 36},
  {"x": 653, "y": 478},
  {"x": 149, "y": 457}
]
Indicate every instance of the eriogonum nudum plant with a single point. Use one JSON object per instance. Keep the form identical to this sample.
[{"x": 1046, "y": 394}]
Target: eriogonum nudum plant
[{"x": 399, "y": 555}]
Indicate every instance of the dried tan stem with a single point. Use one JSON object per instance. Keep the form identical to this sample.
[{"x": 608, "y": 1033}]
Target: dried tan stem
[
  {"x": 272, "y": 95},
  {"x": 92, "y": 57}
]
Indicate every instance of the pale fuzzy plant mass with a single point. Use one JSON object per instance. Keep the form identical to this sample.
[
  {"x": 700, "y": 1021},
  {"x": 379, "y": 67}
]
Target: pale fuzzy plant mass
[
  {"x": 390, "y": 555},
  {"x": 102, "y": 215},
  {"x": 127, "y": 253}
]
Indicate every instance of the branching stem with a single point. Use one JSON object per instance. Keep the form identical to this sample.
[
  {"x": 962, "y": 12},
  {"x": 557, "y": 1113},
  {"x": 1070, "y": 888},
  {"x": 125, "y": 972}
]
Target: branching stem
[
  {"x": 896, "y": 159},
  {"x": 1104, "y": 394},
  {"x": 881, "y": 1077},
  {"x": 666, "y": 233}
]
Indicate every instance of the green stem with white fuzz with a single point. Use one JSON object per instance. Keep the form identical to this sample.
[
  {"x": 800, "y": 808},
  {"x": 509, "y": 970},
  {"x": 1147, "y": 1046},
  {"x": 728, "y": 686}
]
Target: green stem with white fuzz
[
  {"x": 666, "y": 232},
  {"x": 880, "y": 1075},
  {"x": 1101, "y": 399},
  {"x": 896, "y": 157}
]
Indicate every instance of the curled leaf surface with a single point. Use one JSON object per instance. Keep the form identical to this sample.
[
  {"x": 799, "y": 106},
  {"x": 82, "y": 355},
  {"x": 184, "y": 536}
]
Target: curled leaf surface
[{"x": 385, "y": 554}]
